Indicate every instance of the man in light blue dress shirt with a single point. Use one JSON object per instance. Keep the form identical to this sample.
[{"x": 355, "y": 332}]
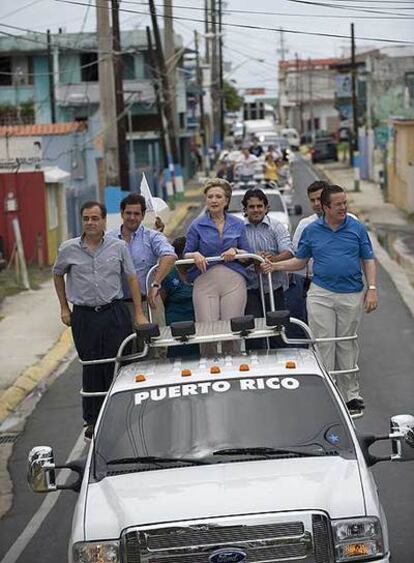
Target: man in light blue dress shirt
[{"x": 146, "y": 246}]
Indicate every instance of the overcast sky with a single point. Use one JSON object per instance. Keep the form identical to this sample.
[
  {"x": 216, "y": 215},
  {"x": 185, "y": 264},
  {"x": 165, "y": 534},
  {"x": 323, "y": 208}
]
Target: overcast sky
[{"x": 254, "y": 53}]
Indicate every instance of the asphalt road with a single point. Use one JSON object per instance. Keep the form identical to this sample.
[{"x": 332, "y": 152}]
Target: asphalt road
[{"x": 386, "y": 362}]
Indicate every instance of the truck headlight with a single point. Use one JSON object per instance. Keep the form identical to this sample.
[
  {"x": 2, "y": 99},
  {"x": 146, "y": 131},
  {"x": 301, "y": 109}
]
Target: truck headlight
[
  {"x": 96, "y": 552},
  {"x": 357, "y": 539}
]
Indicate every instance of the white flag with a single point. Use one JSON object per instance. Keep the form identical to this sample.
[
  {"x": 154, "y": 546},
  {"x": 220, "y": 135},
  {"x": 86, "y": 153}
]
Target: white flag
[{"x": 146, "y": 192}]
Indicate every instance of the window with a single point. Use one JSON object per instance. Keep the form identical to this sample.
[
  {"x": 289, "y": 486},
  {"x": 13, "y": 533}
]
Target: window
[
  {"x": 89, "y": 67},
  {"x": 6, "y": 78},
  {"x": 409, "y": 83},
  {"x": 147, "y": 65},
  {"x": 197, "y": 419},
  {"x": 128, "y": 66}
]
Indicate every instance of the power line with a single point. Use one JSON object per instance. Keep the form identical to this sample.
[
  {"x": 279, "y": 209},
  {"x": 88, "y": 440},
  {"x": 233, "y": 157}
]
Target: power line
[
  {"x": 21, "y": 8},
  {"x": 344, "y": 7},
  {"x": 75, "y": 48},
  {"x": 265, "y": 28},
  {"x": 230, "y": 11}
]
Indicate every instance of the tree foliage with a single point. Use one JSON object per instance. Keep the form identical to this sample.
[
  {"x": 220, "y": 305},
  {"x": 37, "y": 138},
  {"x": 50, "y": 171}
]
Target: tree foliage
[{"x": 233, "y": 101}]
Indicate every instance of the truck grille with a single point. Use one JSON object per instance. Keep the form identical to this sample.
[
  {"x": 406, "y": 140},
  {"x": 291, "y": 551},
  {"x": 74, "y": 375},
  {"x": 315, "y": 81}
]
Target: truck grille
[{"x": 300, "y": 536}]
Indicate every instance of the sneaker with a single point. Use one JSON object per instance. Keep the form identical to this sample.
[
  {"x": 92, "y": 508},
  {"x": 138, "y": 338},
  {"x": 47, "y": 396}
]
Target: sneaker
[
  {"x": 356, "y": 405},
  {"x": 88, "y": 432}
]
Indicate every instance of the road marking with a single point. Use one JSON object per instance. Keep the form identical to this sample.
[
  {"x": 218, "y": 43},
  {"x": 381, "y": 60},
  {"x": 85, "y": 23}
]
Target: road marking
[
  {"x": 310, "y": 169},
  {"x": 39, "y": 517}
]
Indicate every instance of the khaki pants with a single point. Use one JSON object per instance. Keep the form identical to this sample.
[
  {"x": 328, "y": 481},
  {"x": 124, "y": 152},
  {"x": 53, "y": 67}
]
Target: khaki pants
[
  {"x": 219, "y": 295},
  {"x": 337, "y": 314}
]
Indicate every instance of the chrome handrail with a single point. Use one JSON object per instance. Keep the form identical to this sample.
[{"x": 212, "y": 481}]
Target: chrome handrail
[{"x": 217, "y": 259}]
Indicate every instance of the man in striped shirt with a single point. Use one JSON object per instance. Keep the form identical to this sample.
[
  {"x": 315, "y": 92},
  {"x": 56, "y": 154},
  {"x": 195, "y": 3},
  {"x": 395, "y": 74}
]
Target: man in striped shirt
[{"x": 270, "y": 239}]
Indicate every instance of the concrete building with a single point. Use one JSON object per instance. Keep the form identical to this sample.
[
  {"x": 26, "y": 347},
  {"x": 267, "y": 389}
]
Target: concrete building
[
  {"x": 401, "y": 164},
  {"x": 31, "y": 83},
  {"x": 307, "y": 95},
  {"x": 67, "y": 153}
]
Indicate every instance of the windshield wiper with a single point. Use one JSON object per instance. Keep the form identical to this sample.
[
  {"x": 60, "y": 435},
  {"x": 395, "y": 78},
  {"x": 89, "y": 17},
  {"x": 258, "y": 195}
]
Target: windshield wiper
[
  {"x": 156, "y": 459},
  {"x": 267, "y": 451}
]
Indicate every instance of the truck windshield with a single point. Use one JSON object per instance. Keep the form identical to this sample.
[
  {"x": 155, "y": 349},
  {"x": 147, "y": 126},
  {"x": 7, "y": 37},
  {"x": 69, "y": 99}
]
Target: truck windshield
[{"x": 221, "y": 419}]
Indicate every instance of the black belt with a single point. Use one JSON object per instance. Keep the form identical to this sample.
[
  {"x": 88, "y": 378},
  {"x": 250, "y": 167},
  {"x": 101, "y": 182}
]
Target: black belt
[
  {"x": 130, "y": 300},
  {"x": 99, "y": 308}
]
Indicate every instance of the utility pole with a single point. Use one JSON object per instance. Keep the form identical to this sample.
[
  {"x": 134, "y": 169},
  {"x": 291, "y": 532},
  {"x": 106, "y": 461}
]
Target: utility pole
[
  {"x": 221, "y": 78},
  {"x": 169, "y": 53},
  {"x": 171, "y": 66},
  {"x": 165, "y": 140},
  {"x": 298, "y": 94},
  {"x": 354, "y": 137},
  {"x": 50, "y": 77},
  {"x": 156, "y": 61},
  {"x": 166, "y": 92},
  {"x": 199, "y": 77},
  {"x": 215, "y": 75},
  {"x": 207, "y": 29},
  {"x": 121, "y": 117},
  {"x": 282, "y": 50},
  {"x": 107, "y": 94},
  {"x": 312, "y": 120}
]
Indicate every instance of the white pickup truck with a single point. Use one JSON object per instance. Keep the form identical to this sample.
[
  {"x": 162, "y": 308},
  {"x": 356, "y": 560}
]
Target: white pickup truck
[{"x": 250, "y": 457}]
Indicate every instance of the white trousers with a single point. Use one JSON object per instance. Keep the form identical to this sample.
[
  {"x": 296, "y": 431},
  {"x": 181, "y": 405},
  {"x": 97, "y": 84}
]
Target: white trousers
[
  {"x": 337, "y": 314},
  {"x": 219, "y": 295}
]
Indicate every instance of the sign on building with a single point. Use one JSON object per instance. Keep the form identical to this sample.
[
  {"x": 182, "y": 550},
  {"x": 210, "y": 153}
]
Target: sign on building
[{"x": 343, "y": 86}]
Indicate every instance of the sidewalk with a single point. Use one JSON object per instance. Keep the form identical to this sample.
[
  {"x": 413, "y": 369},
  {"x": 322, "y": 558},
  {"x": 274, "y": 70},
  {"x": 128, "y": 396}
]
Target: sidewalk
[
  {"x": 33, "y": 341},
  {"x": 387, "y": 224}
]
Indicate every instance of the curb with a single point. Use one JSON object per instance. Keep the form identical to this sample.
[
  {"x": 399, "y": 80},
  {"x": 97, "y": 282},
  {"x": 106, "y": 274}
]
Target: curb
[
  {"x": 177, "y": 218},
  {"x": 34, "y": 374}
]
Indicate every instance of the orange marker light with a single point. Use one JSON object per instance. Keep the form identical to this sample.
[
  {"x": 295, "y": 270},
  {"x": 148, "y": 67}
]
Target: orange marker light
[
  {"x": 186, "y": 372},
  {"x": 355, "y": 549},
  {"x": 290, "y": 364},
  {"x": 244, "y": 367},
  {"x": 215, "y": 369},
  {"x": 139, "y": 377}
]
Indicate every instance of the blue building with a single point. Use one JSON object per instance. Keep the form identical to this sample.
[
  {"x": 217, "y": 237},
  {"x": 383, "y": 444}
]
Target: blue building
[{"x": 30, "y": 82}]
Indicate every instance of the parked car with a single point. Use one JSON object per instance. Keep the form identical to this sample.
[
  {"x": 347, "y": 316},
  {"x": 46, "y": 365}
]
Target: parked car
[
  {"x": 324, "y": 149},
  {"x": 293, "y": 138}
]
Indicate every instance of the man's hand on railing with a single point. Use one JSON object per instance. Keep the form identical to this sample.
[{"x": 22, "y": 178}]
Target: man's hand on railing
[{"x": 141, "y": 319}]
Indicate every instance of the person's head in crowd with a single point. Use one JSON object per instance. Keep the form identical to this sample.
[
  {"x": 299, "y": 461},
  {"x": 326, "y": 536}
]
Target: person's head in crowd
[
  {"x": 133, "y": 208},
  {"x": 217, "y": 193},
  {"x": 179, "y": 245},
  {"x": 269, "y": 158},
  {"x": 246, "y": 150},
  {"x": 255, "y": 205},
  {"x": 93, "y": 215},
  {"x": 334, "y": 204},
  {"x": 314, "y": 194}
]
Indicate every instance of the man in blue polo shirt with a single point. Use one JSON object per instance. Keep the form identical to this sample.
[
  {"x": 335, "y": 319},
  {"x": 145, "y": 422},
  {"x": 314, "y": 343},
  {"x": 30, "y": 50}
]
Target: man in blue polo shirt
[{"x": 342, "y": 253}]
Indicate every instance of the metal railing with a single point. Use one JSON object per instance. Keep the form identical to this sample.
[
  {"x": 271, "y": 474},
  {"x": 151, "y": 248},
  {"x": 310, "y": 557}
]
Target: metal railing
[{"x": 219, "y": 259}]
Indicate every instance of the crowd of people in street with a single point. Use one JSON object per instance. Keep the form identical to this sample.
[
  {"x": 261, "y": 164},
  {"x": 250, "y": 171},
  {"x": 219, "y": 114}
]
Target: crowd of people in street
[
  {"x": 253, "y": 160},
  {"x": 318, "y": 276}
]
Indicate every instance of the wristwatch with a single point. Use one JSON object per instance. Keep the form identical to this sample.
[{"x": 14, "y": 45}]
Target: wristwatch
[
  {"x": 372, "y": 287},
  {"x": 156, "y": 285}
]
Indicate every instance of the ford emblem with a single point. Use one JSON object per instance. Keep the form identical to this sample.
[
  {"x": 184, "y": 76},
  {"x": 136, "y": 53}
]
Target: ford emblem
[{"x": 228, "y": 555}]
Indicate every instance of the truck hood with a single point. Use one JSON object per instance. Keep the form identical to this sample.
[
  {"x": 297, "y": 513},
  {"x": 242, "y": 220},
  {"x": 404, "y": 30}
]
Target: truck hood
[{"x": 331, "y": 484}]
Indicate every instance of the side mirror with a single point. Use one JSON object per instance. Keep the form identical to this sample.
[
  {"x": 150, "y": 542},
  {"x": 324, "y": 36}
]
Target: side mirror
[
  {"x": 402, "y": 437},
  {"x": 41, "y": 474},
  {"x": 41, "y": 471}
]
